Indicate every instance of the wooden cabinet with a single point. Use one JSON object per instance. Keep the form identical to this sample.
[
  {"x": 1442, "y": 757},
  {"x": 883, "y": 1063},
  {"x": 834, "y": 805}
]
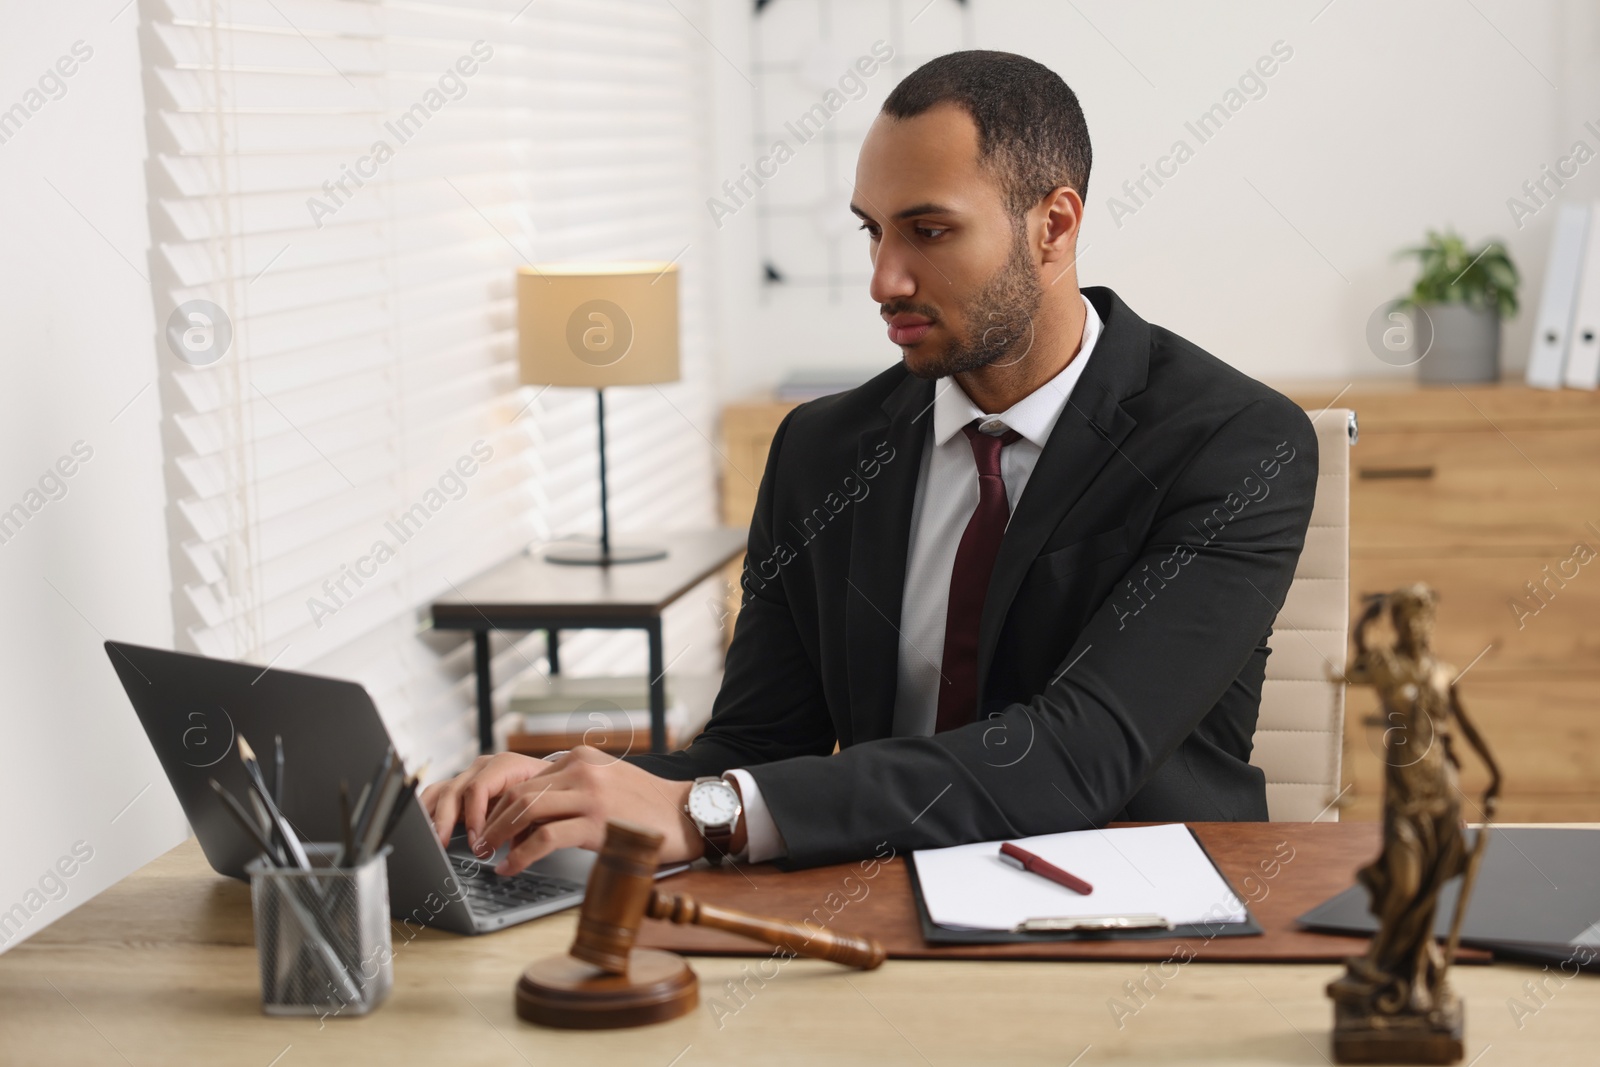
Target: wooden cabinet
[
  {"x": 1490, "y": 494},
  {"x": 747, "y": 432}
]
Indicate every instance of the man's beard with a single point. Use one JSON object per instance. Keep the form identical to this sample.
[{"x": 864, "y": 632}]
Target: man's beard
[{"x": 1002, "y": 314}]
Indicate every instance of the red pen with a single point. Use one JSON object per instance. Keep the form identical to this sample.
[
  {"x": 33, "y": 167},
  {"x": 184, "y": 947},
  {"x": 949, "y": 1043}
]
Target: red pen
[{"x": 1021, "y": 857}]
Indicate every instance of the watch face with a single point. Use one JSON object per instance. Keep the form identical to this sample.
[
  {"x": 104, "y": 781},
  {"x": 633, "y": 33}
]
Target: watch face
[{"x": 713, "y": 803}]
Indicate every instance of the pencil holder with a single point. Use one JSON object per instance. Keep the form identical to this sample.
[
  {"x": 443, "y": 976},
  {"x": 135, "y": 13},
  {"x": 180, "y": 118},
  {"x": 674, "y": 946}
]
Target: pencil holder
[{"x": 322, "y": 935}]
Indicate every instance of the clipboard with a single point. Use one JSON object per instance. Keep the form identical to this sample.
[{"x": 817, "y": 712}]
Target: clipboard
[{"x": 934, "y": 934}]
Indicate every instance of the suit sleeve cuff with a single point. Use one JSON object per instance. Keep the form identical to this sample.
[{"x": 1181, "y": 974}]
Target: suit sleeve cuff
[{"x": 762, "y": 840}]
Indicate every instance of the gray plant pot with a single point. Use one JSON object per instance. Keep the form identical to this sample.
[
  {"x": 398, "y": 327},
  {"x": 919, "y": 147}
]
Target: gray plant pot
[{"x": 1466, "y": 345}]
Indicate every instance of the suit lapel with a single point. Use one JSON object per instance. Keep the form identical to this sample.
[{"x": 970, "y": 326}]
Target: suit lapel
[
  {"x": 1088, "y": 434},
  {"x": 880, "y": 542}
]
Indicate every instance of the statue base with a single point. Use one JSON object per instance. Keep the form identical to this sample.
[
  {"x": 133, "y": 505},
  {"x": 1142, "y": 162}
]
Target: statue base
[{"x": 1362, "y": 1035}]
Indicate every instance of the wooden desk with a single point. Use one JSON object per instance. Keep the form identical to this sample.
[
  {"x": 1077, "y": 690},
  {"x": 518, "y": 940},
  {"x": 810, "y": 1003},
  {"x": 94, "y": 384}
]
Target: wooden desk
[
  {"x": 161, "y": 969},
  {"x": 530, "y": 593}
]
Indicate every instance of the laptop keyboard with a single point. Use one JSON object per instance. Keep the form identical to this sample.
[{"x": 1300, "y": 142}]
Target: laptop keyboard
[{"x": 489, "y": 892}]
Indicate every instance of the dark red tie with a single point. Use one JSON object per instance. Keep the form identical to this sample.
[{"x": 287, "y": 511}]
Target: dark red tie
[{"x": 969, "y": 582}]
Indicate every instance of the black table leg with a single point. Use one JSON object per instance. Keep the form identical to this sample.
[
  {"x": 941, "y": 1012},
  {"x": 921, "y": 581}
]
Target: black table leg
[
  {"x": 480, "y": 662},
  {"x": 552, "y": 650},
  {"x": 658, "y": 688}
]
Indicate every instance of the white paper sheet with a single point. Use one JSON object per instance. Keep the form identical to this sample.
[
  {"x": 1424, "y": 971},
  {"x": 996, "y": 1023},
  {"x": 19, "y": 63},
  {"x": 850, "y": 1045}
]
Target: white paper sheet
[{"x": 1157, "y": 870}]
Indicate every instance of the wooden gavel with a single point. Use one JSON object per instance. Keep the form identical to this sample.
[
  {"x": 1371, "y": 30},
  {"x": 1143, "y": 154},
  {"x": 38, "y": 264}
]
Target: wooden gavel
[
  {"x": 604, "y": 981},
  {"x": 621, "y": 893}
]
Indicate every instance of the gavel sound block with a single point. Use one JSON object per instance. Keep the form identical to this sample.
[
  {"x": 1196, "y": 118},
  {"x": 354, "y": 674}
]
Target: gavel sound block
[{"x": 604, "y": 982}]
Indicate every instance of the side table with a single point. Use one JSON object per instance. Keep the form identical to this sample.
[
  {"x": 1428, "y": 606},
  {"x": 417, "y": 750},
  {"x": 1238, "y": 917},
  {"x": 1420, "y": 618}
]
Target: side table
[{"x": 528, "y": 592}]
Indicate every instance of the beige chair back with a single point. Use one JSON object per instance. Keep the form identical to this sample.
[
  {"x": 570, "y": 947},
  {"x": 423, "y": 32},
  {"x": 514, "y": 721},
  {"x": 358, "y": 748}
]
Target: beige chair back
[{"x": 1299, "y": 735}]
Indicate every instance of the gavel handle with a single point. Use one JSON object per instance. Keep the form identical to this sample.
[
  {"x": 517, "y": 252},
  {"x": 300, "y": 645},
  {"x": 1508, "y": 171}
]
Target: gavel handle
[{"x": 862, "y": 952}]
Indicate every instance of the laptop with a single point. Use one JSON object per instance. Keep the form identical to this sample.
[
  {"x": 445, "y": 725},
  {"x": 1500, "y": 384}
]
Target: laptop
[{"x": 194, "y": 709}]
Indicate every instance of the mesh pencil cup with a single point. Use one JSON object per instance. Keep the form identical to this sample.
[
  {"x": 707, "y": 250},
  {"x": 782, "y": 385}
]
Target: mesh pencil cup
[{"x": 322, "y": 935}]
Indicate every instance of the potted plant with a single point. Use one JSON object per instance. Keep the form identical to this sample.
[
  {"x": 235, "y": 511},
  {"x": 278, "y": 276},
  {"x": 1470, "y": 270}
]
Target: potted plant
[{"x": 1461, "y": 295}]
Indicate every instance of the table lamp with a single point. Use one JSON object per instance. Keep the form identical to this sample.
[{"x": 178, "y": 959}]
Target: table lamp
[{"x": 597, "y": 325}]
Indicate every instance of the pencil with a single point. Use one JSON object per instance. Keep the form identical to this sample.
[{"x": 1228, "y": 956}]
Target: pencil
[
  {"x": 407, "y": 792},
  {"x": 264, "y": 821},
  {"x": 370, "y": 799},
  {"x": 243, "y": 819},
  {"x": 345, "y": 843},
  {"x": 355, "y": 815},
  {"x": 277, "y": 770},
  {"x": 393, "y": 782},
  {"x": 290, "y": 841}
]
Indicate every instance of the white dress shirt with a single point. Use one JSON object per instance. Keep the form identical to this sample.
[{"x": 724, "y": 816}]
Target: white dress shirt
[{"x": 947, "y": 495}]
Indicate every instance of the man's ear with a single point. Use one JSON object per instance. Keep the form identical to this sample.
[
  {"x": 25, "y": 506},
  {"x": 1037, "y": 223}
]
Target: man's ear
[{"x": 1061, "y": 211}]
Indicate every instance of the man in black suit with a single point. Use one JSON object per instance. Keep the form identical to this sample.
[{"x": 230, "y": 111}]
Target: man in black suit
[{"x": 1023, "y": 580}]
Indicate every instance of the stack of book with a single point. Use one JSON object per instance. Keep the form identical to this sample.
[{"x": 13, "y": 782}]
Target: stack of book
[{"x": 611, "y": 714}]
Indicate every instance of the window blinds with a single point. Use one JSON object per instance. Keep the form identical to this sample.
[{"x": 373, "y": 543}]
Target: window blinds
[{"x": 351, "y": 185}]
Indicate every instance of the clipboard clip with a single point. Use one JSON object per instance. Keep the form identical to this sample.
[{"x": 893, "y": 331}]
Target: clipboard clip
[{"x": 1093, "y": 922}]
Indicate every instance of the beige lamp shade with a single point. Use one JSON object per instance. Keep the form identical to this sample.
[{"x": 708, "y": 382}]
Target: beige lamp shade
[{"x": 598, "y": 324}]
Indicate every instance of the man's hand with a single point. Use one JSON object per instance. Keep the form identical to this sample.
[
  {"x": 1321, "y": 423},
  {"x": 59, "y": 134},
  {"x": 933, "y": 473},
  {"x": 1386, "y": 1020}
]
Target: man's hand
[{"x": 542, "y": 806}]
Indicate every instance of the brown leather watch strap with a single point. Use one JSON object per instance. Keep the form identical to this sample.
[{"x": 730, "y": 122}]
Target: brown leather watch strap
[{"x": 719, "y": 842}]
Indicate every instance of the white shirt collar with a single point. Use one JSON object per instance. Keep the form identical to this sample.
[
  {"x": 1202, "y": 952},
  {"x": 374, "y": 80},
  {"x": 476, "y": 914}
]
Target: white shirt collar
[{"x": 1035, "y": 415}]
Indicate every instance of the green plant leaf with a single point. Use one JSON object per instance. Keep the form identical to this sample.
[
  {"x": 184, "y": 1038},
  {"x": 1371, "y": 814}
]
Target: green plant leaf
[{"x": 1448, "y": 272}]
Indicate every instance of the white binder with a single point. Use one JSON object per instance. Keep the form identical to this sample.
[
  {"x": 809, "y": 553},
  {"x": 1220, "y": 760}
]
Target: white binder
[
  {"x": 1583, "y": 352},
  {"x": 1547, "y": 361}
]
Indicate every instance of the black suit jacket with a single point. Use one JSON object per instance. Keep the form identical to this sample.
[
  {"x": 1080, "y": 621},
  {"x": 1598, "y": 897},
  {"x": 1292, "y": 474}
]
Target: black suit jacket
[{"x": 1123, "y": 639}]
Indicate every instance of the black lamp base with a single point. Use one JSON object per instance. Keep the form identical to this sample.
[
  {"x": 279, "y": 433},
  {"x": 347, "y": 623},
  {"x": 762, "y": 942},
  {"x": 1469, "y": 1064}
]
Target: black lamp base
[
  {"x": 604, "y": 553},
  {"x": 584, "y": 555}
]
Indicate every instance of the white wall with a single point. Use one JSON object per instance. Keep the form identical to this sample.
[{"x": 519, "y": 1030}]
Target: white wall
[
  {"x": 1275, "y": 242},
  {"x": 79, "y": 360}
]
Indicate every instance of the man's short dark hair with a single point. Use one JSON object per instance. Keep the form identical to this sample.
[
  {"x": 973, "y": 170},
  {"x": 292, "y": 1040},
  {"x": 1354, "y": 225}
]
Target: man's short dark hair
[{"x": 1031, "y": 131}]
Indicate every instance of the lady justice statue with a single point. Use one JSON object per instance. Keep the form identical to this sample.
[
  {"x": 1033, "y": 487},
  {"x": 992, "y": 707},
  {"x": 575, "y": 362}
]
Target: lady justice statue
[{"x": 1393, "y": 1005}]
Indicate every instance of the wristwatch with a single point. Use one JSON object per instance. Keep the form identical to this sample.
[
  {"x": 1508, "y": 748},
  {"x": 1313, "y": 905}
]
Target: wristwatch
[{"x": 714, "y": 808}]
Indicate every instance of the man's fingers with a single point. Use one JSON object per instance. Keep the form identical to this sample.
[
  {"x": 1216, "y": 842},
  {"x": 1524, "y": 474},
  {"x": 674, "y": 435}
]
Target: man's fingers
[
  {"x": 511, "y": 793},
  {"x": 499, "y": 775},
  {"x": 444, "y": 805},
  {"x": 565, "y": 833},
  {"x": 538, "y": 806},
  {"x": 441, "y": 799},
  {"x": 529, "y": 804},
  {"x": 430, "y": 800}
]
